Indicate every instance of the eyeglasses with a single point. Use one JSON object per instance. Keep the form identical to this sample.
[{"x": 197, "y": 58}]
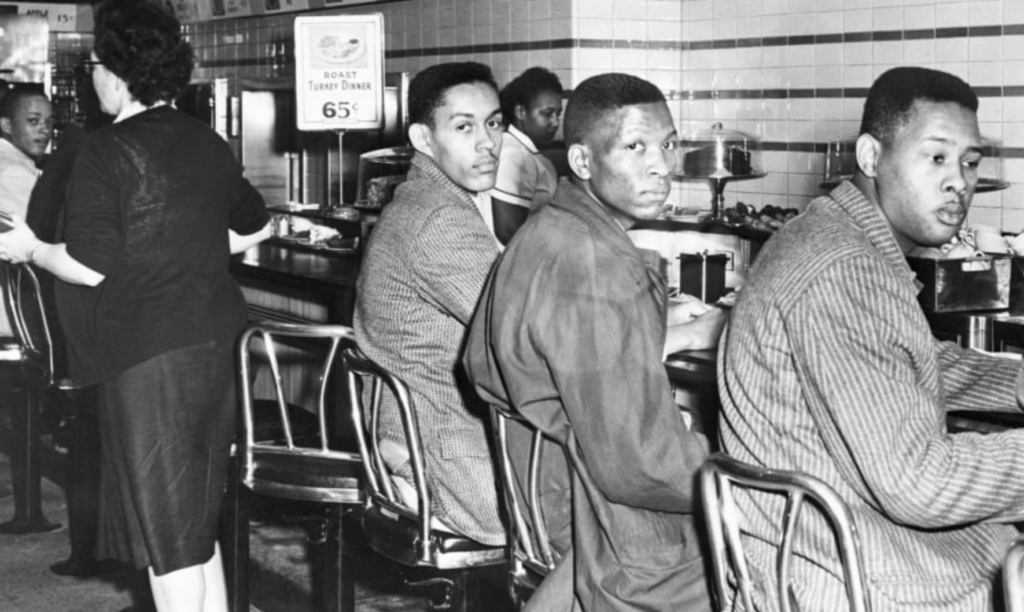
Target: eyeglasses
[{"x": 88, "y": 65}]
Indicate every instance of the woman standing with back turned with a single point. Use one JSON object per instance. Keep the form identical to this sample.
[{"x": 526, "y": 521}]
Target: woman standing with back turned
[{"x": 156, "y": 205}]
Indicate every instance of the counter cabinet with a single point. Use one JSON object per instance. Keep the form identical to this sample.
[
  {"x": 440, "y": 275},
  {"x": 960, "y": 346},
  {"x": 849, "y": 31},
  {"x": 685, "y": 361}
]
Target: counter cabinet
[
  {"x": 671, "y": 238},
  {"x": 284, "y": 283}
]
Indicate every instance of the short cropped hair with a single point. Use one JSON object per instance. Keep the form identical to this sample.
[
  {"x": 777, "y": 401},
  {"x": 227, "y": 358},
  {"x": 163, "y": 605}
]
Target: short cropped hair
[
  {"x": 141, "y": 43},
  {"x": 601, "y": 95},
  {"x": 11, "y": 101},
  {"x": 891, "y": 98},
  {"x": 525, "y": 88},
  {"x": 429, "y": 87}
]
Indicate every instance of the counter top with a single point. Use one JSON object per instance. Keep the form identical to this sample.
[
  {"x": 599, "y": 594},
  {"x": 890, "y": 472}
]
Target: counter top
[
  {"x": 366, "y": 215},
  {"x": 334, "y": 273},
  {"x": 704, "y": 227},
  {"x": 298, "y": 267}
]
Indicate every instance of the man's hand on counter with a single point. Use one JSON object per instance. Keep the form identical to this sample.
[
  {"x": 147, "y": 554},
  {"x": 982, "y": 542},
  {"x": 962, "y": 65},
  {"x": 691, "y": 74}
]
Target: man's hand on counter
[
  {"x": 700, "y": 332},
  {"x": 684, "y": 308}
]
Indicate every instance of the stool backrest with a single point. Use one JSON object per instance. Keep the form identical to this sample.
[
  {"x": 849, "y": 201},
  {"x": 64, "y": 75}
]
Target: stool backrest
[
  {"x": 367, "y": 384},
  {"x": 1013, "y": 577},
  {"x": 23, "y": 303},
  {"x": 720, "y": 475},
  {"x": 295, "y": 460},
  {"x": 530, "y": 544}
]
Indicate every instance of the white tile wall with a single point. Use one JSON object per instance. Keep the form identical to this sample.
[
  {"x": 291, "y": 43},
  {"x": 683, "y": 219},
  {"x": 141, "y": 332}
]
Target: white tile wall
[
  {"x": 426, "y": 30},
  {"x": 986, "y": 61}
]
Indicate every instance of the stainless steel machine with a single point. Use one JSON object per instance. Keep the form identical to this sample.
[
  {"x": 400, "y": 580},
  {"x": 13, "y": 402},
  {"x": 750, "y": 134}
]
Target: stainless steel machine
[{"x": 289, "y": 166}]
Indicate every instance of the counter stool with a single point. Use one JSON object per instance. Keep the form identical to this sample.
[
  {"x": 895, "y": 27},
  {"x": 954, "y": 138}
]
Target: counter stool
[
  {"x": 1013, "y": 577},
  {"x": 411, "y": 536},
  {"x": 531, "y": 556},
  {"x": 285, "y": 450},
  {"x": 26, "y": 365},
  {"x": 720, "y": 476}
]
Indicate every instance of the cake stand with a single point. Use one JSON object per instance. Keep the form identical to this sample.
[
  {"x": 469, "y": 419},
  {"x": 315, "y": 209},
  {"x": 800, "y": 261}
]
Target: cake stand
[
  {"x": 718, "y": 155},
  {"x": 717, "y": 184}
]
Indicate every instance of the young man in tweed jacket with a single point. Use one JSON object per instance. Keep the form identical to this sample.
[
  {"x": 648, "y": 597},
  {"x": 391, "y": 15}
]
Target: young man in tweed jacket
[{"x": 422, "y": 275}]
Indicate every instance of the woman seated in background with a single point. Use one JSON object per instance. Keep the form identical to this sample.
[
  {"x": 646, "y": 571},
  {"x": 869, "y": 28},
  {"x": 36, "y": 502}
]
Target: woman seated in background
[
  {"x": 155, "y": 206},
  {"x": 531, "y": 105}
]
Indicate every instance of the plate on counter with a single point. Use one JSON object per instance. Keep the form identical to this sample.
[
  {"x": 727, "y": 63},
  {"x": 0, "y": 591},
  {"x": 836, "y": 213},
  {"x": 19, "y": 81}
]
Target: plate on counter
[
  {"x": 343, "y": 250},
  {"x": 684, "y": 218}
]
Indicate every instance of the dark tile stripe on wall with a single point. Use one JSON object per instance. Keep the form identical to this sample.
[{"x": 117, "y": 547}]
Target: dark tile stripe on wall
[
  {"x": 995, "y": 91},
  {"x": 728, "y": 43},
  {"x": 821, "y": 147}
]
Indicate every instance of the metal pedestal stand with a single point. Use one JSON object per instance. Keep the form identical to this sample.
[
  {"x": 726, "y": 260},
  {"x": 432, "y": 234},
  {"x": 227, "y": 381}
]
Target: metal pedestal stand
[{"x": 717, "y": 184}]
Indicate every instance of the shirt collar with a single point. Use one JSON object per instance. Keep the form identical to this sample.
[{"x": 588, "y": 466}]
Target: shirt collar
[
  {"x": 574, "y": 199},
  {"x": 523, "y": 138},
  {"x": 135, "y": 108},
  {"x": 17, "y": 153},
  {"x": 869, "y": 218},
  {"x": 424, "y": 164}
]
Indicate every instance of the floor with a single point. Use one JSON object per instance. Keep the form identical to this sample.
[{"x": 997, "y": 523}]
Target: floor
[{"x": 282, "y": 580}]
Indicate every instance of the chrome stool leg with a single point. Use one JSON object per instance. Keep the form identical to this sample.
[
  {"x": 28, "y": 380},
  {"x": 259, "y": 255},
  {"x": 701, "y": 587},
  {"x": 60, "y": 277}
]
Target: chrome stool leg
[
  {"x": 338, "y": 586},
  {"x": 28, "y": 510},
  {"x": 81, "y": 484}
]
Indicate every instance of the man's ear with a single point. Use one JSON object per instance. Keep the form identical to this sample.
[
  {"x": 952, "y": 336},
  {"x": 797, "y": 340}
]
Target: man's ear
[
  {"x": 420, "y": 137},
  {"x": 520, "y": 112},
  {"x": 579, "y": 160},
  {"x": 5, "y": 126},
  {"x": 868, "y": 151}
]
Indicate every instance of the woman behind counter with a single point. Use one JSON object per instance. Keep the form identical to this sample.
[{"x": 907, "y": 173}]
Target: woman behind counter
[
  {"x": 156, "y": 205},
  {"x": 531, "y": 106}
]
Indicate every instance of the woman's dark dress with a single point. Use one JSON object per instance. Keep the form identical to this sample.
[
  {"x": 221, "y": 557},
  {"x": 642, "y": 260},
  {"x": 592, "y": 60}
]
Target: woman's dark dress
[{"x": 150, "y": 202}]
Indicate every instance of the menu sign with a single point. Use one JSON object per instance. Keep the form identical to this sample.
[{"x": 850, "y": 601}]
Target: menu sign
[{"x": 339, "y": 72}]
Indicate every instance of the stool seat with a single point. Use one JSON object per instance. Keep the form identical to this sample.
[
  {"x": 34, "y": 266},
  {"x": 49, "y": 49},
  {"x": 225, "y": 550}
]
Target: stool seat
[
  {"x": 10, "y": 350},
  {"x": 531, "y": 551},
  {"x": 266, "y": 422},
  {"x": 397, "y": 527},
  {"x": 307, "y": 477},
  {"x": 720, "y": 477},
  {"x": 285, "y": 449},
  {"x": 397, "y": 537},
  {"x": 1013, "y": 576}
]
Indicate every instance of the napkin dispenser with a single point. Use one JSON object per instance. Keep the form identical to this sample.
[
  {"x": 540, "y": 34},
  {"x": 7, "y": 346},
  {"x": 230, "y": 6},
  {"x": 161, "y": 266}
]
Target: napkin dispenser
[
  {"x": 963, "y": 284},
  {"x": 702, "y": 275}
]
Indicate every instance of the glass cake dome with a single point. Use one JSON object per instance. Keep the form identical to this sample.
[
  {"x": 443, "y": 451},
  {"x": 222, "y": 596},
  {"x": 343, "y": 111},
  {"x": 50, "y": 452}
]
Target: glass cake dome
[{"x": 718, "y": 155}]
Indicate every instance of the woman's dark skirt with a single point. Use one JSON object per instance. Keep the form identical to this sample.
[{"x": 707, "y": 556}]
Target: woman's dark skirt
[{"x": 166, "y": 427}]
